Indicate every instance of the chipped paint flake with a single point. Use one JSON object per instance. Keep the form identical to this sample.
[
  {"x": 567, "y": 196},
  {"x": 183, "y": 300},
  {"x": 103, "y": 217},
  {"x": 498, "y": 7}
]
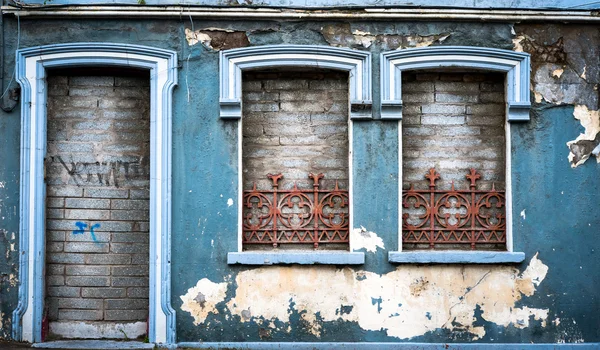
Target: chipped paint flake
[
  {"x": 585, "y": 144},
  {"x": 533, "y": 275},
  {"x": 517, "y": 42},
  {"x": 343, "y": 36},
  {"x": 361, "y": 238},
  {"x": 405, "y": 303},
  {"x": 558, "y": 72},
  {"x": 523, "y": 214},
  {"x": 201, "y": 300},
  {"x": 229, "y": 202},
  {"x": 194, "y": 37}
]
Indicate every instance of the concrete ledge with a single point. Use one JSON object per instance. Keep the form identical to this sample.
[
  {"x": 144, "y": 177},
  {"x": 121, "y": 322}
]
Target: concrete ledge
[
  {"x": 455, "y": 257},
  {"x": 378, "y": 346},
  {"x": 93, "y": 344},
  {"x": 296, "y": 257}
]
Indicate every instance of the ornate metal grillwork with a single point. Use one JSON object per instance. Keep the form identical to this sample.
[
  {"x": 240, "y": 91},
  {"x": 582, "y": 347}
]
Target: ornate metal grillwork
[
  {"x": 471, "y": 216},
  {"x": 295, "y": 216}
]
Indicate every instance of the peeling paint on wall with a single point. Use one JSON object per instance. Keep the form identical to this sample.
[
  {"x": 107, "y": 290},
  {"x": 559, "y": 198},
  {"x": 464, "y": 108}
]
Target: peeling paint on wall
[
  {"x": 361, "y": 238},
  {"x": 560, "y": 59},
  {"x": 216, "y": 39},
  {"x": 200, "y": 300},
  {"x": 585, "y": 144},
  {"x": 405, "y": 303},
  {"x": 343, "y": 36}
]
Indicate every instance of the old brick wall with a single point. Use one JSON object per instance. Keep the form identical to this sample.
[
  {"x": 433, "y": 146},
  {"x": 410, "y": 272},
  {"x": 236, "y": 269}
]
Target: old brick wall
[
  {"x": 453, "y": 122},
  {"x": 97, "y": 175},
  {"x": 295, "y": 123}
]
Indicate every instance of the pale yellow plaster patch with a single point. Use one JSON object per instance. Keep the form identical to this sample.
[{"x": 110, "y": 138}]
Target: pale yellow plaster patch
[
  {"x": 538, "y": 97},
  {"x": 365, "y": 39},
  {"x": 517, "y": 46},
  {"x": 360, "y": 32},
  {"x": 405, "y": 303},
  {"x": 590, "y": 120},
  {"x": 194, "y": 37},
  {"x": 202, "y": 299},
  {"x": 558, "y": 72},
  {"x": 12, "y": 280},
  {"x": 422, "y": 41}
]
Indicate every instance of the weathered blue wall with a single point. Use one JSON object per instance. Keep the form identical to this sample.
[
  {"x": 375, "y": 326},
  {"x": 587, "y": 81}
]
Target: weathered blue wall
[{"x": 560, "y": 224}]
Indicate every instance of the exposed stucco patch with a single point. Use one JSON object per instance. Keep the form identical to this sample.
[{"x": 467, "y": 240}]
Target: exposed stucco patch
[
  {"x": 405, "y": 303},
  {"x": 201, "y": 299},
  {"x": 560, "y": 58},
  {"x": 342, "y": 36},
  {"x": 216, "y": 38},
  {"x": 361, "y": 238},
  {"x": 585, "y": 144}
]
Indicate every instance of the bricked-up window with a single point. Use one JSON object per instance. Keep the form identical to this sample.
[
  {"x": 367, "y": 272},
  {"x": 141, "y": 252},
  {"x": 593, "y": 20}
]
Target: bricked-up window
[
  {"x": 295, "y": 124},
  {"x": 97, "y": 205},
  {"x": 453, "y": 122}
]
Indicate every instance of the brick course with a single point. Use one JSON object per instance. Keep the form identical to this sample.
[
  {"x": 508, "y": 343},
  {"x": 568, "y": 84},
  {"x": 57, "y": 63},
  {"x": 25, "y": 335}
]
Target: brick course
[{"x": 97, "y": 174}]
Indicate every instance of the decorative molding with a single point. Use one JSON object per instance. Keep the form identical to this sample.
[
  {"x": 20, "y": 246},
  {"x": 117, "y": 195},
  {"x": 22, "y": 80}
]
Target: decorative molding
[
  {"x": 233, "y": 62},
  {"x": 298, "y": 257},
  {"x": 455, "y": 257},
  {"x": 516, "y": 65},
  {"x": 31, "y": 65}
]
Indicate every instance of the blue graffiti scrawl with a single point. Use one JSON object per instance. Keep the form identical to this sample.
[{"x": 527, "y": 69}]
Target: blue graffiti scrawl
[
  {"x": 92, "y": 231},
  {"x": 81, "y": 226}
]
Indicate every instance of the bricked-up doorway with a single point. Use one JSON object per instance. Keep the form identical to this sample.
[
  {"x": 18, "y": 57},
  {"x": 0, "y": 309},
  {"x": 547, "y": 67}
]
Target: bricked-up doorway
[
  {"x": 295, "y": 123},
  {"x": 97, "y": 204}
]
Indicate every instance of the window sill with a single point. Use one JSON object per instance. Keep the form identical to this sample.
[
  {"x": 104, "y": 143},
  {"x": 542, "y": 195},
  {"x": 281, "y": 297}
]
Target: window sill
[
  {"x": 455, "y": 257},
  {"x": 298, "y": 257}
]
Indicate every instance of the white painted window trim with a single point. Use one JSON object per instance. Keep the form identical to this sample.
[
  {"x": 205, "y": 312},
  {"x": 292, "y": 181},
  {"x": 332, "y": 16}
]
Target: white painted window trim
[
  {"x": 357, "y": 64},
  {"x": 516, "y": 66},
  {"x": 31, "y": 66}
]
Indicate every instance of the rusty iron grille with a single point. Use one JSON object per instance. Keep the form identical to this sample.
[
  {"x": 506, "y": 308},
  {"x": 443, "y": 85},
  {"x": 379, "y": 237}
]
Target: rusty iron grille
[
  {"x": 440, "y": 217},
  {"x": 278, "y": 216}
]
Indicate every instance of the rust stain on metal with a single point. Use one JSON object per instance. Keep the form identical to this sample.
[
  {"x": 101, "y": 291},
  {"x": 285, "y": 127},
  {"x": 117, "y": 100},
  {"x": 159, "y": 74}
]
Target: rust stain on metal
[
  {"x": 279, "y": 216},
  {"x": 453, "y": 216}
]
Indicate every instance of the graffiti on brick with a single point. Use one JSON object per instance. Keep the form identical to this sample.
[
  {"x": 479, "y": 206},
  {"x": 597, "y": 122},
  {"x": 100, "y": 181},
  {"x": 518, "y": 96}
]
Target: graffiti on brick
[
  {"x": 103, "y": 173},
  {"x": 81, "y": 226}
]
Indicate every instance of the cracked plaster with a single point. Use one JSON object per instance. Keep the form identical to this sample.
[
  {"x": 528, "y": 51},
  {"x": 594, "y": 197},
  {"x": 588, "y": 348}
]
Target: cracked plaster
[{"x": 405, "y": 303}]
